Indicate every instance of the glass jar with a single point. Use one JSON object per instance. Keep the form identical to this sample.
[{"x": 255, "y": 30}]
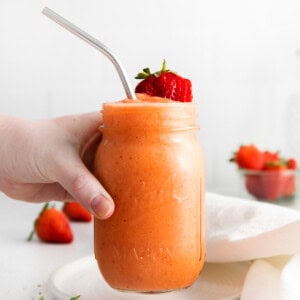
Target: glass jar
[{"x": 151, "y": 163}]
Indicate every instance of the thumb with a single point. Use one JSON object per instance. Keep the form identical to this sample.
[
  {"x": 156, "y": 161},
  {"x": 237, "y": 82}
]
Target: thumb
[
  {"x": 70, "y": 171},
  {"x": 84, "y": 187}
]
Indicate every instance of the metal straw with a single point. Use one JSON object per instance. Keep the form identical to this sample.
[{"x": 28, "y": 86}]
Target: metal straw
[{"x": 96, "y": 44}]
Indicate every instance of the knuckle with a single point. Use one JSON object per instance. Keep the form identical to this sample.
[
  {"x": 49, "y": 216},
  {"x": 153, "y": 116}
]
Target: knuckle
[{"x": 79, "y": 184}]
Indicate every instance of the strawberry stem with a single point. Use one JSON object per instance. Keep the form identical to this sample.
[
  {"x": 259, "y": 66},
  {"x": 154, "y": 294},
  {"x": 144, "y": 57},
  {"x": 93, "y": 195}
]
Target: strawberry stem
[
  {"x": 147, "y": 73},
  {"x": 29, "y": 238},
  {"x": 164, "y": 66}
]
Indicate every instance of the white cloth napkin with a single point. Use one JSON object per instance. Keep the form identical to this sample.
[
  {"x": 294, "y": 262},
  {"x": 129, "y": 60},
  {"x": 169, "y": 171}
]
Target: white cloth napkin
[{"x": 266, "y": 234}]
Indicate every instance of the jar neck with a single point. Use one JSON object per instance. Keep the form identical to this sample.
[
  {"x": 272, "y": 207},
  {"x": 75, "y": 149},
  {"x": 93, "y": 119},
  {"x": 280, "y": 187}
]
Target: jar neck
[{"x": 175, "y": 116}]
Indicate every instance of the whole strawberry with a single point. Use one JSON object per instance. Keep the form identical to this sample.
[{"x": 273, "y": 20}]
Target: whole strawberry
[
  {"x": 76, "y": 212},
  {"x": 52, "y": 226},
  {"x": 165, "y": 84},
  {"x": 270, "y": 157},
  {"x": 249, "y": 157}
]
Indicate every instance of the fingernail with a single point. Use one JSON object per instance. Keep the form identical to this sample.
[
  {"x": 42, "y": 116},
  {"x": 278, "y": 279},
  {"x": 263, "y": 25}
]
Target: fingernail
[{"x": 102, "y": 207}]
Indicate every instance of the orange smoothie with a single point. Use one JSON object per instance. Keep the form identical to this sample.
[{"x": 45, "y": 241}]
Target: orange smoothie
[{"x": 151, "y": 163}]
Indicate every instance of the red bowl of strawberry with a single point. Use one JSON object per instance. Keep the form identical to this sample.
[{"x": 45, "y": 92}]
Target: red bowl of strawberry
[
  {"x": 266, "y": 175},
  {"x": 270, "y": 185}
]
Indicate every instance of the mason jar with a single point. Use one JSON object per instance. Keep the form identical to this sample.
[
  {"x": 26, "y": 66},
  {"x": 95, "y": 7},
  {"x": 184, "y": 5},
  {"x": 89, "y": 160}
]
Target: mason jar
[{"x": 151, "y": 163}]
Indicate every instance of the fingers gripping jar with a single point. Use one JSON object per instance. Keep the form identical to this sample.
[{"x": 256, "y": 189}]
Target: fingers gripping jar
[{"x": 151, "y": 163}]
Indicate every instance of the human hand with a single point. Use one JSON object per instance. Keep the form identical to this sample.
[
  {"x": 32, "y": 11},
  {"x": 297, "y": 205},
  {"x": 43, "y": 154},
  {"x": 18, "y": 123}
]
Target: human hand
[{"x": 51, "y": 159}]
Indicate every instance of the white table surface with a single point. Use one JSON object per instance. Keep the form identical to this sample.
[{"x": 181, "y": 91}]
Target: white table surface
[{"x": 25, "y": 267}]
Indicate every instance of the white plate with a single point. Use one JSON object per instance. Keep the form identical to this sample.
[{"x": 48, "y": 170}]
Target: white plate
[{"x": 82, "y": 277}]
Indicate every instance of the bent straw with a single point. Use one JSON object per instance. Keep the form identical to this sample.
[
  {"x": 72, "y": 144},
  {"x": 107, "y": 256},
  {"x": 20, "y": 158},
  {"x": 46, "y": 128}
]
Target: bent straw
[{"x": 95, "y": 43}]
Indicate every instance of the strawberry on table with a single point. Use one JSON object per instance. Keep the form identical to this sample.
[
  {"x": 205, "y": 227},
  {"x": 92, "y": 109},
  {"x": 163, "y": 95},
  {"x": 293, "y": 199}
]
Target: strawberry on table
[
  {"x": 52, "y": 226},
  {"x": 165, "y": 84},
  {"x": 76, "y": 212}
]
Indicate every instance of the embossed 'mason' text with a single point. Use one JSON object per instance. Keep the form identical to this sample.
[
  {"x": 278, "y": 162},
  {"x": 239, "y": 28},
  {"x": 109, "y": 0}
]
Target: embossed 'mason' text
[{"x": 142, "y": 253}]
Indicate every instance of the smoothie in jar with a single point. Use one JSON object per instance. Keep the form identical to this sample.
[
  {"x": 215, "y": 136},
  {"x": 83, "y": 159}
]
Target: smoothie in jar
[{"x": 151, "y": 163}]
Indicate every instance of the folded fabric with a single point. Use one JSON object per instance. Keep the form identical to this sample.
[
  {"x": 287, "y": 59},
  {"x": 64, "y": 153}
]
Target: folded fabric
[
  {"x": 263, "y": 233},
  {"x": 268, "y": 280}
]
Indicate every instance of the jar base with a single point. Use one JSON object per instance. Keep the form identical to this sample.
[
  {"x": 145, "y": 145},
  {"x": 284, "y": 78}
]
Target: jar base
[{"x": 151, "y": 292}]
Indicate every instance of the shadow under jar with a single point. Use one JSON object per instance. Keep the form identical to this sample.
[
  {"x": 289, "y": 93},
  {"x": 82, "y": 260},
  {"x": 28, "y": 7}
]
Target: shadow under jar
[{"x": 151, "y": 163}]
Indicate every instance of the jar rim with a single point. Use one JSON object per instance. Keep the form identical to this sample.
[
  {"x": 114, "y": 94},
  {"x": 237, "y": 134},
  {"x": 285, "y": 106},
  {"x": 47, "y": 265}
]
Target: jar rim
[
  {"x": 174, "y": 110},
  {"x": 104, "y": 128},
  {"x": 148, "y": 106},
  {"x": 135, "y": 114}
]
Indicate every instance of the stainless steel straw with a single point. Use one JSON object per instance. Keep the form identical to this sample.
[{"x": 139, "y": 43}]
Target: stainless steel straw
[{"x": 96, "y": 44}]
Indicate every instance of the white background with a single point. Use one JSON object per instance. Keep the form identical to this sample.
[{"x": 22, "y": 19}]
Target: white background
[{"x": 240, "y": 56}]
